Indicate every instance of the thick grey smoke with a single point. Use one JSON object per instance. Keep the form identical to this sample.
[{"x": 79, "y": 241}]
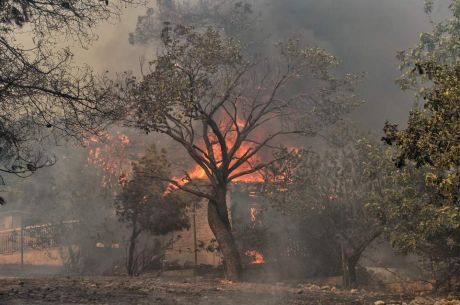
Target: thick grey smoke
[{"x": 364, "y": 34}]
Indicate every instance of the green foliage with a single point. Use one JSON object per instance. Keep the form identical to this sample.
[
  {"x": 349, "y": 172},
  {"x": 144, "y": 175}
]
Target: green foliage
[
  {"x": 235, "y": 17},
  {"x": 441, "y": 47},
  {"x": 429, "y": 148},
  {"x": 143, "y": 204},
  {"x": 422, "y": 213},
  {"x": 332, "y": 190}
]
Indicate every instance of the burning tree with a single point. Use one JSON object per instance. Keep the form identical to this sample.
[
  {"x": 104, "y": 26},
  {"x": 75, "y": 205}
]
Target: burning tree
[
  {"x": 144, "y": 207},
  {"x": 231, "y": 115},
  {"x": 42, "y": 92}
]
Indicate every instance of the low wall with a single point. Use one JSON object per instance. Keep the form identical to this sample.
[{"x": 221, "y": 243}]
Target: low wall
[{"x": 47, "y": 257}]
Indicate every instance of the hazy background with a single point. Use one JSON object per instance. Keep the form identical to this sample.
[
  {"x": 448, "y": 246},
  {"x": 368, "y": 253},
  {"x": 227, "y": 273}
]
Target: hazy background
[{"x": 364, "y": 34}]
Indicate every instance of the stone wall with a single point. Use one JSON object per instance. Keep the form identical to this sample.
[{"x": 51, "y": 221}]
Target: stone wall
[{"x": 182, "y": 250}]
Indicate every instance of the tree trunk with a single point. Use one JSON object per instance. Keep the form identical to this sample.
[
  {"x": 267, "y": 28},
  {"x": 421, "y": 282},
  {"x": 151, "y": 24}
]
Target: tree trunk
[
  {"x": 351, "y": 256},
  {"x": 220, "y": 225},
  {"x": 350, "y": 277},
  {"x": 131, "y": 251}
]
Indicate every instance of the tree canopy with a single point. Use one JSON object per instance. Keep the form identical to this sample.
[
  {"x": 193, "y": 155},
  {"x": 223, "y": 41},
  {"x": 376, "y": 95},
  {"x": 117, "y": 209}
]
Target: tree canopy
[
  {"x": 42, "y": 92},
  {"x": 230, "y": 113},
  {"x": 144, "y": 206},
  {"x": 430, "y": 144},
  {"x": 440, "y": 46},
  {"x": 329, "y": 193}
]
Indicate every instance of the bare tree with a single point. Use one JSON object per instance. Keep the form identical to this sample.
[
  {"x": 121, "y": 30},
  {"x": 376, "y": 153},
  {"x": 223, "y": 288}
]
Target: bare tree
[{"x": 233, "y": 116}]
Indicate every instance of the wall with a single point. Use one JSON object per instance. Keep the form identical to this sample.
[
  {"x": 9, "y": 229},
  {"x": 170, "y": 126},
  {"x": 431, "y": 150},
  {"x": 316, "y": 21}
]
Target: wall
[
  {"x": 182, "y": 250},
  {"x": 48, "y": 257}
]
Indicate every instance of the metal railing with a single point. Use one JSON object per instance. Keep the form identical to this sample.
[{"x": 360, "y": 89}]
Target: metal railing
[
  {"x": 10, "y": 241},
  {"x": 33, "y": 237}
]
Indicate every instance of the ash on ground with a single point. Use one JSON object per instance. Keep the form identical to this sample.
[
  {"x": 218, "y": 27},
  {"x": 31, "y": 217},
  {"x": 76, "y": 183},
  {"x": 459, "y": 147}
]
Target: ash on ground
[{"x": 64, "y": 290}]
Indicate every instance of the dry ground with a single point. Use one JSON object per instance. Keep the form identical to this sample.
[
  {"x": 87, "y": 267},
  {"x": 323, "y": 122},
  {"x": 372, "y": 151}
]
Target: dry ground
[{"x": 170, "y": 291}]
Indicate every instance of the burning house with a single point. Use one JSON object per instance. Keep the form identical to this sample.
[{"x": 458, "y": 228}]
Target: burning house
[{"x": 197, "y": 246}]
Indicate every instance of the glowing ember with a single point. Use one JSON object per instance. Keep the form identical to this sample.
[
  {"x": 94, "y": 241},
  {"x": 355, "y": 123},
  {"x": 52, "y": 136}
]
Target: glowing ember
[
  {"x": 257, "y": 257},
  {"x": 123, "y": 139},
  {"x": 122, "y": 179}
]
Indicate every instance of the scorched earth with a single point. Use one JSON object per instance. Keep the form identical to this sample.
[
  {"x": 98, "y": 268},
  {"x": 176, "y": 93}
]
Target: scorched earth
[{"x": 171, "y": 291}]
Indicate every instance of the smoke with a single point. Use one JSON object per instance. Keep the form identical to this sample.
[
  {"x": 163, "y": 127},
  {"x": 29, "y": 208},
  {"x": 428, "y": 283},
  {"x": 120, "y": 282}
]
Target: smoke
[{"x": 363, "y": 34}]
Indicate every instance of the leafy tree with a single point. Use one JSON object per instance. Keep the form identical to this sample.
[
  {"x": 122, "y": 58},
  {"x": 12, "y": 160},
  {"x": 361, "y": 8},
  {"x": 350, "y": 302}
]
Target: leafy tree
[
  {"x": 430, "y": 143},
  {"x": 441, "y": 46},
  {"x": 145, "y": 207},
  {"x": 426, "y": 219},
  {"x": 328, "y": 194},
  {"x": 234, "y": 17},
  {"x": 42, "y": 93},
  {"x": 226, "y": 111}
]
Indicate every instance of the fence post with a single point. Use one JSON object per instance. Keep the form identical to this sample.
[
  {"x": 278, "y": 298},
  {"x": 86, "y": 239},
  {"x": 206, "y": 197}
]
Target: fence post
[
  {"x": 22, "y": 246},
  {"x": 195, "y": 250}
]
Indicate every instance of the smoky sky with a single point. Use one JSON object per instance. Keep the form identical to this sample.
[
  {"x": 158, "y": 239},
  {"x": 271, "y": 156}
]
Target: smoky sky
[{"x": 364, "y": 34}]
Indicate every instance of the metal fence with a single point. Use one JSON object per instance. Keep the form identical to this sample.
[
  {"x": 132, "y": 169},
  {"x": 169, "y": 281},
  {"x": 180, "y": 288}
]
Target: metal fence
[
  {"x": 10, "y": 241},
  {"x": 33, "y": 237}
]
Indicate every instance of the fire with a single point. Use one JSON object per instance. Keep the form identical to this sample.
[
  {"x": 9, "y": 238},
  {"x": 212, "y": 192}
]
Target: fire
[
  {"x": 257, "y": 257},
  {"x": 198, "y": 173},
  {"x": 109, "y": 152},
  {"x": 122, "y": 179}
]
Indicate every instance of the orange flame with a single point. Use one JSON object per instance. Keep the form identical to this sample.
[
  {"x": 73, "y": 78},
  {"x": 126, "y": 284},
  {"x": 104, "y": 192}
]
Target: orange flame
[
  {"x": 108, "y": 152},
  {"x": 198, "y": 173},
  {"x": 257, "y": 257}
]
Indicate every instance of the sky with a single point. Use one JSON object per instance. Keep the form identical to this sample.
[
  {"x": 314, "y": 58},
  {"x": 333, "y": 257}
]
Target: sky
[{"x": 364, "y": 34}]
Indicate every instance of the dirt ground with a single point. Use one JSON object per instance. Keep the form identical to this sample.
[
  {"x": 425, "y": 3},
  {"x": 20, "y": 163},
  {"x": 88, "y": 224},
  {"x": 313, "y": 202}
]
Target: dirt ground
[{"x": 172, "y": 291}]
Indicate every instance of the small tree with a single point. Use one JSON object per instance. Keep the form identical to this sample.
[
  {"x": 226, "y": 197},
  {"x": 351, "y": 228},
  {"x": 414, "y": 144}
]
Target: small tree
[
  {"x": 330, "y": 192},
  {"x": 144, "y": 206},
  {"x": 227, "y": 112}
]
